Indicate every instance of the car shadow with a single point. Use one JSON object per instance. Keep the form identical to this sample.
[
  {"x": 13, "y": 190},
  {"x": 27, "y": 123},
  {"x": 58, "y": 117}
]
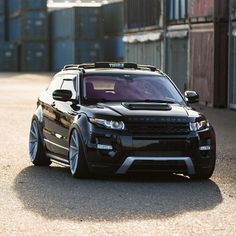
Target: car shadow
[{"x": 54, "y": 194}]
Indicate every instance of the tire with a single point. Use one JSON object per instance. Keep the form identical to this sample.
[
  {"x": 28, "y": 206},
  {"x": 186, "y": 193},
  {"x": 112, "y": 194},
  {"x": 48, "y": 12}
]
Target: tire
[
  {"x": 203, "y": 174},
  {"x": 36, "y": 148},
  {"x": 77, "y": 160}
]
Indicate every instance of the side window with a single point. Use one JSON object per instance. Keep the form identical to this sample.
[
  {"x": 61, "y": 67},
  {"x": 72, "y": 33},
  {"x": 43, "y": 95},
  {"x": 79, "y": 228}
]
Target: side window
[
  {"x": 69, "y": 83},
  {"x": 55, "y": 84}
]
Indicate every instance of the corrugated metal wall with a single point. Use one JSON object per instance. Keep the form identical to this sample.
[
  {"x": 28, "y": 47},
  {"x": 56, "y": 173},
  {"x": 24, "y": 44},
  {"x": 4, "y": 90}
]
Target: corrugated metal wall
[
  {"x": 150, "y": 52},
  {"x": 208, "y": 10},
  {"x": 176, "y": 11},
  {"x": 113, "y": 24},
  {"x": 232, "y": 55},
  {"x": 142, "y": 13},
  {"x": 9, "y": 56},
  {"x": 77, "y": 35},
  {"x": 177, "y": 55},
  {"x": 208, "y": 62},
  {"x": 28, "y": 27}
]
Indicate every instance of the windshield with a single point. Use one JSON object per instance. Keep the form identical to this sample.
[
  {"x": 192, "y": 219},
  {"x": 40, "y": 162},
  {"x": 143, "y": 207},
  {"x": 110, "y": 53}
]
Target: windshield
[{"x": 130, "y": 88}]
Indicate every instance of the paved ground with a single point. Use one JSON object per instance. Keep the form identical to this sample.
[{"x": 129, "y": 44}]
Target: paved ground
[{"x": 36, "y": 201}]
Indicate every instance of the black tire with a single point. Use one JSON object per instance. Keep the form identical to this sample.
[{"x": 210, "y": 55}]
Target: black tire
[
  {"x": 36, "y": 148},
  {"x": 77, "y": 160},
  {"x": 203, "y": 174}
]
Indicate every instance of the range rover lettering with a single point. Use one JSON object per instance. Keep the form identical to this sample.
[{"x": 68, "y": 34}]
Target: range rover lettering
[{"x": 118, "y": 118}]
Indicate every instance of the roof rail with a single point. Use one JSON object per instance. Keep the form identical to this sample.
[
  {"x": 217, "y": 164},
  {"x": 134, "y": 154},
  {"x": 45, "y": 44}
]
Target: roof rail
[{"x": 114, "y": 65}]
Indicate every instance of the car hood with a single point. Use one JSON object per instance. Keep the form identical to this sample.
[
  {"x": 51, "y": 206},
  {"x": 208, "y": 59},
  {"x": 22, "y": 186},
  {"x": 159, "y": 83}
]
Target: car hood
[{"x": 119, "y": 109}]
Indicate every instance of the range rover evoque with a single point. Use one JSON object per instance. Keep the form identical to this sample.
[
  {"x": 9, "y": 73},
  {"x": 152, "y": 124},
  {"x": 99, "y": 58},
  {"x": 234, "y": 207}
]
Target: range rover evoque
[{"x": 117, "y": 118}]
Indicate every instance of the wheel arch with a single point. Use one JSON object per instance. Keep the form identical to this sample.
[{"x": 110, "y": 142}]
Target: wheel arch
[{"x": 82, "y": 126}]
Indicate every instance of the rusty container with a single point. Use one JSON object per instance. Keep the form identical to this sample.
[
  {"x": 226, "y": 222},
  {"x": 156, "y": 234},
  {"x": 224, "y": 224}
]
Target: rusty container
[
  {"x": 208, "y": 10},
  {"x": 208, "y": 62}
]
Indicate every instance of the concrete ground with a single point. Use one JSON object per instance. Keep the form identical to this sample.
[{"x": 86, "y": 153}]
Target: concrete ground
[{"x": 39, "y": 201}]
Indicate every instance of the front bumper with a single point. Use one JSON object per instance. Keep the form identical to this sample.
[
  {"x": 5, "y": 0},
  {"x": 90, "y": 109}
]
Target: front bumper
[{"x": 117, "y": 152}]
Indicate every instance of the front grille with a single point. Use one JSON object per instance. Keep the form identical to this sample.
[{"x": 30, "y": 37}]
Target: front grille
[{"x": 158, "y": 128}]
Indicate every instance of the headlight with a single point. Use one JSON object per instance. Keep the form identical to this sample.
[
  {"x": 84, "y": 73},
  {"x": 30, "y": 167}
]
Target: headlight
[
  {"x": 110, "y": 124},
  {"x": 201, "y": 125}
]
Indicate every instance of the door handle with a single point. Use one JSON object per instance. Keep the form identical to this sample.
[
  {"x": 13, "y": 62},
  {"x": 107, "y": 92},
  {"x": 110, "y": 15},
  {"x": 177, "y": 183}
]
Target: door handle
[{"x": 53, "y": 104}]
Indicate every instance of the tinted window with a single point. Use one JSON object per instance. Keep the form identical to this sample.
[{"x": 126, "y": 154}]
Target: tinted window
[{"x": 130, "y": 88}]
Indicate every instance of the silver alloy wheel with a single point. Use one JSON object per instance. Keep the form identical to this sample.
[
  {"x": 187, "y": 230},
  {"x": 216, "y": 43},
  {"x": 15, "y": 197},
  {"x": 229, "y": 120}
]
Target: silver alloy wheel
[
  {"x": 74, "y": 151},
  {"x": 33, "y": 140}
]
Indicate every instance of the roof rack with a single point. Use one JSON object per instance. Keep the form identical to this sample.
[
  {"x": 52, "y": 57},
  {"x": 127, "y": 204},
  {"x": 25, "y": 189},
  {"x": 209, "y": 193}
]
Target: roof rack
[{"x": 111, "y": 65}]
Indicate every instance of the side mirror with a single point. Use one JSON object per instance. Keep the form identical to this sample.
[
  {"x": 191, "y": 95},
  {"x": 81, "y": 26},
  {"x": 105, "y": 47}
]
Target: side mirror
[
  {"x": 191, "y": 96},
  {"x": 62, "y": 95}
]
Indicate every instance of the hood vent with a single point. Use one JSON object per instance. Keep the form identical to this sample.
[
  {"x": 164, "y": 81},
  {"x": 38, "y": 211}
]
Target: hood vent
[{"x": 147, "y": 106}]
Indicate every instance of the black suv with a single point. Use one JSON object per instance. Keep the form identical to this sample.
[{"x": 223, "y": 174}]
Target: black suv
[{"x": 117, "y": 118}]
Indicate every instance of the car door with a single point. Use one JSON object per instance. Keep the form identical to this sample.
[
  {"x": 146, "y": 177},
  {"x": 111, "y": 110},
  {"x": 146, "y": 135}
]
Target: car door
[
  {"x": 65, "y": 113},
  {"x": 49, "y": 113}
]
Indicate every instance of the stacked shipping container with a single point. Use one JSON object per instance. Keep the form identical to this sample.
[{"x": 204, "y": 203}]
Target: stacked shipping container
[
  {"x": 76, "y": 36},
  {"x": 8, "y": 51},
  {"x": 112, "y": 15},
  {"x": 144, "y": 32},
  {"x": 232, "y": 55},
  {"x": 28, "y": 27},
  {"x": 177, "y": 32},
  {"x": 208, "y": 50}
]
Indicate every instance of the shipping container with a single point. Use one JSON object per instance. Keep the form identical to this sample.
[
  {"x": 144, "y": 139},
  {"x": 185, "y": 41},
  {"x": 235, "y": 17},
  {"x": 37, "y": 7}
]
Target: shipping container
[
  {"x": 177, "y": 55},
  {"x": 2, "y": 28},
  {"x": 15, "y": 6},
  {"x": 176, "y": 11},
  {"x": 232, "y": 65},
  {"x": 208, "y": 10},
  {"x": 208, "y": 62},
  {"x": 34, "y": 56},
  {"x": 76, "y": 23},
  {"x": 2, "y": 7},
  {"x": 114, "y": 48},
  {"x": 142, "y": 13},
  {"x": 71, "y": 51},
  {"x": 28, "y": 26},
  {"x": 9, "y": 57},
  {"x": 232, "y": 8},
  {"x": 112, "y": 16},
  {"x": 145, "y": 48}
]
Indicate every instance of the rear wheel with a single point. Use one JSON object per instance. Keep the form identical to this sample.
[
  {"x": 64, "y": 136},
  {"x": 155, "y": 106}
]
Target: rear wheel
[
  {"x": 36, "y": 150},
  {"x": 78, "y": 164}
]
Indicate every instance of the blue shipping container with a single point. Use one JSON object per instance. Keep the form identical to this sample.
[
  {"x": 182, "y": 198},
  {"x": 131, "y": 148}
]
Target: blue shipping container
[
  {"x": 76, "y": 23},
  {"x": 112, "y": 15},
  {"x": 2, "y": 28},
  {"x": 176, "y": 10},
  {"x": 8, "y": 56},
  {"x": 14, "y": 6},
  {"x": 70, "y": 51},
  {"x": 28, "y": 26},
  {"x": 2, "y": 7},
  {"x": 34, "y": 56},
  {"x": 114, "y": 49}
]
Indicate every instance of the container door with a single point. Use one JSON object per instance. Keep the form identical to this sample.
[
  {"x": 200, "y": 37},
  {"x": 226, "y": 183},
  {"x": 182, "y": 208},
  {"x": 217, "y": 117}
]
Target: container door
[
  {"x": 232, "y": 64},
  {"x": 177, "y": 62}
]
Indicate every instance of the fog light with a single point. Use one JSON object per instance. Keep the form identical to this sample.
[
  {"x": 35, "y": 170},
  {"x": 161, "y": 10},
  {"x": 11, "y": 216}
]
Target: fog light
[
  {"x": 104, "y": 147},
  {"x": 205, "y": 148}
]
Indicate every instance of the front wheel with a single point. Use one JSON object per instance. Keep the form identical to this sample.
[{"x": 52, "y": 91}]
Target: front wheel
[
  {"x": 36, "y": 149},
  {"x": 78, "y": 164},
  {"x": 203, "y": 174}
]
